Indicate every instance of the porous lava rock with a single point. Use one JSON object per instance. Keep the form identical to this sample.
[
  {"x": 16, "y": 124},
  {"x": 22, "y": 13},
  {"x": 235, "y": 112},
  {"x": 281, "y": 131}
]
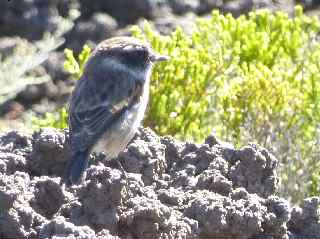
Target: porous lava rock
[{"x": 158, "y": 187}]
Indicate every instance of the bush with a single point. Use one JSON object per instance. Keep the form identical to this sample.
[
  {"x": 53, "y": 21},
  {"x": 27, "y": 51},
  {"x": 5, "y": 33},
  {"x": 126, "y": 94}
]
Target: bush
[
  {"x": 251, "y": 78},
  {"x": 58, "y": 120},
  {"x": 75, "y": 66}
]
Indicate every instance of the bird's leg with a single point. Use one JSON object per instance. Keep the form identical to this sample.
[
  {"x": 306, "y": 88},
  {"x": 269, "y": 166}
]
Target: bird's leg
[
  {"x": 101, "y": 157},
  {"x": 125, "y": 176}
]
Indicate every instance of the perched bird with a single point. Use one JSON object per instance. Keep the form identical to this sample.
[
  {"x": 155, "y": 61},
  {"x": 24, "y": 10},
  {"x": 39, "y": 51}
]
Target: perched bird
[{"x": 109, "y": 101}]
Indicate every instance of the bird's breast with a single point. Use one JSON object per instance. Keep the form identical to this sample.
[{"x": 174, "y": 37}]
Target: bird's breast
[{"x": 116, "y": 138}]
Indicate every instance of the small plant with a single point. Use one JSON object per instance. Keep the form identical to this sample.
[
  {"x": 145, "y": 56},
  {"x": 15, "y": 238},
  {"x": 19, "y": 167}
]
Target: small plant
[
  {"x": 58, "y": 120},
  {"x": 75, "y": 66}
]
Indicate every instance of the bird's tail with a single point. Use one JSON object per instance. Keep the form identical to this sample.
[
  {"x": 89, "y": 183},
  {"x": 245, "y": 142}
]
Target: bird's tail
[{"x": 76, "y": 168}]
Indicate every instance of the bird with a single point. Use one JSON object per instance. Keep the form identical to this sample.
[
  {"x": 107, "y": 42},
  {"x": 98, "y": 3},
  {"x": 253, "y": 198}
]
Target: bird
[{"x": 109, "y": 101}]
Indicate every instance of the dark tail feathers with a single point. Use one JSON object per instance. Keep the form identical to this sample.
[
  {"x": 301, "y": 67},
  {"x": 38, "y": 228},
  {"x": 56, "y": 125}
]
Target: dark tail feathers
[{"x": 76, "y": 167}]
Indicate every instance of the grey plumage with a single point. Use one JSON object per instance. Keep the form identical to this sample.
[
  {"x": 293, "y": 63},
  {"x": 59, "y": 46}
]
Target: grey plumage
[{"x": 108, "y": 102}]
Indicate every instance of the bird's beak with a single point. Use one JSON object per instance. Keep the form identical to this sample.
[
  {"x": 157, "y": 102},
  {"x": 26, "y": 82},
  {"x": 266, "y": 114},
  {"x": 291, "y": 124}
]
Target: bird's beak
[{"x": 157, "y": 57}]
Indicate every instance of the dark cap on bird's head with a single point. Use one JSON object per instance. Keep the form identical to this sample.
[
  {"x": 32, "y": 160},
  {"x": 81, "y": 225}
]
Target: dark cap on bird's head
[{"x": 129, "y": 50}]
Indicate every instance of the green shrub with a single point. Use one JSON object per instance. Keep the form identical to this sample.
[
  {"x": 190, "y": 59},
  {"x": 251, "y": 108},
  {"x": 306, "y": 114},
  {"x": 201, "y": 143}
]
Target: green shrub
[
  {"x": 251, "y": 78},
  {"x": 75, "y": 66},
  {"x": 58, "y": 120},
  {"x": 256, "y": 68}
]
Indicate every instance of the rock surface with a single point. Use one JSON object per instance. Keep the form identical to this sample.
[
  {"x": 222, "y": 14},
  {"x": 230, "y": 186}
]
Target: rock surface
[
  {"x": 99, "y": 18},
  {"x": 164, "y": 188}
]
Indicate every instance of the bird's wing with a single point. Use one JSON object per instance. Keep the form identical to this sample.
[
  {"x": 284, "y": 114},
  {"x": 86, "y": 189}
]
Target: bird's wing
[{"x": 96, "y": 104}]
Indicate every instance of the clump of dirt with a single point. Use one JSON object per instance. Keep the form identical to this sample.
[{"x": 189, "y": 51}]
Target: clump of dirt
[{"x": 158, "y": 187}]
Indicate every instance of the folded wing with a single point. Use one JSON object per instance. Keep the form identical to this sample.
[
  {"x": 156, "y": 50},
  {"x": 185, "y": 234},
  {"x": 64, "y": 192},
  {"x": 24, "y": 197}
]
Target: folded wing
[{"x": 95, "y": 105}]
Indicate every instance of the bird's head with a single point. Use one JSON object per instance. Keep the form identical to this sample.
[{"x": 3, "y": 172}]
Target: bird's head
[{"x": 124, "y": 54}]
